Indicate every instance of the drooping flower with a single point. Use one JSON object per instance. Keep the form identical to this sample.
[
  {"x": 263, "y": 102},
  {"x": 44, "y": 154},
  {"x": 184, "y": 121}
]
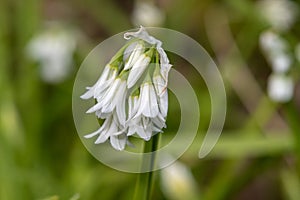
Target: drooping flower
[
  {"x": 139, "y": 67},
  {"x": 112, "y": 99},
  {"x": 106, "y": 79},
  {"x": 135, "y": 54},
  {"x": 159, "y": 83},
  {"x": 145, "y": 118},
  {"x": 144, "y": 111}
]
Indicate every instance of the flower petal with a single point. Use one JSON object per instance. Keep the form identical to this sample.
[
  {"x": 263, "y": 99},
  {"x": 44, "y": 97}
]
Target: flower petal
[
  {"x": 120, "y": 107},
  {"x": 101, "y": 88},
  {"x": 143, "y": 100},
  {"x": 91, "y": 90},
  {"x": 94, "y": 108},
  {"x": 130, "y": 107},
  {"x": 153, "y": 102},
  {"x": 128, "y": 51},
  {"x": 137, "y": 70},
  {"x": 141, "y": 132},
  {"x": 104, "y": 126},
  {"x": 163, "y": 104},
  {"x": 134, "y": 56},
  {"x": 131, "y": 130},
  {"x": 102, "y": 137},
  {"x": 159, "y": 121},
  {"x": 118, "y": 142},
  {"x": 93, "y": 133},
  {"x": 109, "y": 98}
]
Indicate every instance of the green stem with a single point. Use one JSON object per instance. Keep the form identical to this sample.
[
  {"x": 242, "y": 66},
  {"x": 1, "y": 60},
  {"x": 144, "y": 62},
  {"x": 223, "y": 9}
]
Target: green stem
[
  {"x": 293, "y": 122},
  {"x": 145, "y": 181}
]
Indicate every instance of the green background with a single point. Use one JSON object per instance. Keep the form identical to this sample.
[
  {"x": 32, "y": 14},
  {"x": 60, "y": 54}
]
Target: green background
[{"x": 42, "y": 157}]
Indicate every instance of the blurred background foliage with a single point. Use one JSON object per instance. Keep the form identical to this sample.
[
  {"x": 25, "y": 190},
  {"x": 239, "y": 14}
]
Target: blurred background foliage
[{"x": 256, "y": 45}]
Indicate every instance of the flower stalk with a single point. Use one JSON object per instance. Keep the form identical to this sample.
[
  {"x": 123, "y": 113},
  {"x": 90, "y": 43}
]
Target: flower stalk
[
  {"x": 131, "y": 98},
  {"x": 145, "y": 181}
]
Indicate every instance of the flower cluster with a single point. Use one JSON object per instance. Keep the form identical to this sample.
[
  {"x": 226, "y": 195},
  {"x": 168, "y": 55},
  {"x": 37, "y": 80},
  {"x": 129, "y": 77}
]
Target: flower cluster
[
  {"x": 276, "y": 51},
  {"x": 131, "y": 93},
  {"x": 281, "y": 16}
]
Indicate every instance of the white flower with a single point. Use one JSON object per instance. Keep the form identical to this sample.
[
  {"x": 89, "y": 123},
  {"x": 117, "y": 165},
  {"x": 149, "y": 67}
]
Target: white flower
[
  {"x": 148, "y": 102},
  {"x": 147, "y": 105},
  {"x": 271, "y": 41},
  {"x": 275, "y": 49},
  {"x": 142, "y": 34},
  {"x": 178, "y": 182},
  {"x": 147, "y": 14},
  {"x": 162, "y": 93},
  {"x": 113, "y": 98},
  {"x": 141, "y": 126},
  {"x": 144, "y": 117},
  {"x": 281, "y": 63},
  {"x": 111, "y": 107},
  {"x": 280, "y": 87},
  {"x": 135, "y": 124},
  {"x": 281, "y": 14},
  {"x": 119, "y": 141},
  {"x": 107, "y": 77},
  {"x": 138, "y": 68},
  {"x": 110, "y": 129},
  {"x": 53, "y": 48},
  {"x": 134, "y": 54}
]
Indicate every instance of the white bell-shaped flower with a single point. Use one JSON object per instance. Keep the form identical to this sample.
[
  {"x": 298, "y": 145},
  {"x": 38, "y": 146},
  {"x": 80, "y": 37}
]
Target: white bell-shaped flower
[
  {"x": 134, "y": 54},
  {"x": 139, "y": 67},
  {"x": 114, "y": 98},
  {"x": 144, "y": 117},
  {"x": 106, "y": 79}
]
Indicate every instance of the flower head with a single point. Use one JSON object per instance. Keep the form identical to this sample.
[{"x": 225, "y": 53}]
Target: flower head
[{"x": 143, "y": 111}]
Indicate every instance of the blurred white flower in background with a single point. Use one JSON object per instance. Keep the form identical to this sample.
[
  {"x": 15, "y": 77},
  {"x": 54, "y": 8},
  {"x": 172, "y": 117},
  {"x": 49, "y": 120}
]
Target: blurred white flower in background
[
  {"x": 269, "y": 40},
  {"x": 53, "y": 48},
  {"x": 147, "y": 14},
  {"x": 275, "y": 50},
  {"x": 281, "y": 63},
  {"x": 178, "y": 183},
  {"x": 280, "y": 88},
  {"x": 281, "y": 14}
]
